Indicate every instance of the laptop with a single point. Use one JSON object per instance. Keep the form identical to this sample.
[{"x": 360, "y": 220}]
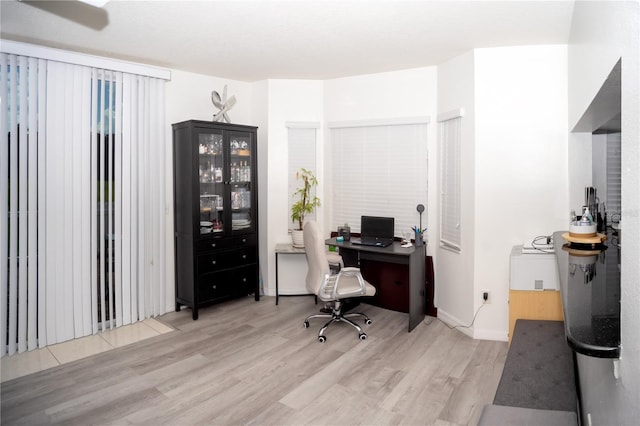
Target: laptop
[{"x": 375, "y": 231}]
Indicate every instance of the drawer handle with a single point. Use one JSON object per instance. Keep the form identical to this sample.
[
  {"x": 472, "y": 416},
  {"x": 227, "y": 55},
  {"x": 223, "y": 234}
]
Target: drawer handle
[
  {"x": 244, "y": 240},
  {"x": 213, "y": 262},
  {"x": 244, "y": 280},
  {"x": 244, "y": 256},
  {"x": 214, "y": 287},
  {"x": 213, "y": 244}
]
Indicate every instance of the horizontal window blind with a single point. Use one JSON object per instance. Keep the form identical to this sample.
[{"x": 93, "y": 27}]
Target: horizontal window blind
[
  {"x": 379, "y": 170},
  {"x": 614, "y": 175},
  {"x": 302, "y": 154},
  {"x": 449, "y": 164}
]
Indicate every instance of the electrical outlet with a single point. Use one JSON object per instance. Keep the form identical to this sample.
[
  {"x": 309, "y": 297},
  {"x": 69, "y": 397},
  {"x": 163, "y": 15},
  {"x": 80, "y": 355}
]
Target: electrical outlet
[{"x": 486, "y": 296}]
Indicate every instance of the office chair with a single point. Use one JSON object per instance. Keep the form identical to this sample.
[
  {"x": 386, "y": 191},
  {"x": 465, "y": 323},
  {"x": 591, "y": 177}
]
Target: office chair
[
  {"x": 335, "y": 261},
  {"x": 346, "y": 284}
]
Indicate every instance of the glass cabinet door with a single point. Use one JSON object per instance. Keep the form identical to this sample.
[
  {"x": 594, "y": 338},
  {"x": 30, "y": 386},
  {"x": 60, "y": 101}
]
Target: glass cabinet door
[
  {"x": 211, "y": 179},
  {"x": 240, "y": 178}
]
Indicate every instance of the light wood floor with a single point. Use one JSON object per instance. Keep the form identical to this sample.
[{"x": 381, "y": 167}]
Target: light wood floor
[{"x": 247, "y": 362}]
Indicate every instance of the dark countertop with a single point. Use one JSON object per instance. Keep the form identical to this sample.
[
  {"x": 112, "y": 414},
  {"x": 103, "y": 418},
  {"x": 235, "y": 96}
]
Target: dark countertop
[{"x": 590, "y": 287}]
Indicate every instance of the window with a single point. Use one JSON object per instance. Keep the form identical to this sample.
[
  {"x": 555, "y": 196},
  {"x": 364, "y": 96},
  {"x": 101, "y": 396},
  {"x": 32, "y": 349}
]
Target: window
[
  {"x": 379, "y": 170},
  {"x": 614, "y": 176},
  {"x": 449, "y": 161},
  {"x": 302, "y": 154}
]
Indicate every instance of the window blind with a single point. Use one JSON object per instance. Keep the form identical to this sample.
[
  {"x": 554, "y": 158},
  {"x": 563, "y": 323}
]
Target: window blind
[
  {"x": 614, "y": 175},
  {"x": 82, "y": 160},
  {"x": 302, "y": 154},
  {"x": 449, "y": 164},
  {"x": 379, "y": 170}
]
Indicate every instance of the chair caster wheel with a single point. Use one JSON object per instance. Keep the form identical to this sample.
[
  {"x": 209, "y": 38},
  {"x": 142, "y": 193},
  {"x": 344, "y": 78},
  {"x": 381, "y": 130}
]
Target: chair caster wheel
[
  {"x": 368, "y": 321},
  {"x": 306, "y": 324},
  {"x": 363, "y": 336},
  {"x": 322, "y": 339}
]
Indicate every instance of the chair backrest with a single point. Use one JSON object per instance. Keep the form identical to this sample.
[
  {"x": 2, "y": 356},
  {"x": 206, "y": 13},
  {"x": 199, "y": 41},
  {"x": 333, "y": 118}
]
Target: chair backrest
[{"x": 316, "y": 256}]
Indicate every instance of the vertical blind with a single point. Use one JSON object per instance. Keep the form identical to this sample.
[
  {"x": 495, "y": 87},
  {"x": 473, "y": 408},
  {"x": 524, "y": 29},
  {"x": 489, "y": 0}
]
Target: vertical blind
[
  {"x": 379, "y": 170},
  {"x": 302, "y": 154},
  {"x": 449, "y": 162},
  {"x": 82, "y": 208}
]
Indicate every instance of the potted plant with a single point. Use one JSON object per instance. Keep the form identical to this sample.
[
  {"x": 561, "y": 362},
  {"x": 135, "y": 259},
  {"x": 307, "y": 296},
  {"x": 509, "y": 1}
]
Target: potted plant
[{"x": 305, "y": 204}]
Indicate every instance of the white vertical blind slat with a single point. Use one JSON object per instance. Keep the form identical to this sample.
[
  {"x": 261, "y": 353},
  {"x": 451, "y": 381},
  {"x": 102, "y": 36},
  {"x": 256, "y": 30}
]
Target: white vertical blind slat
[
  {"x": 13, "y": 207},
  {"x": 95, "y": 250},
  {"x": 53, "y": 217},
  {"x": 85, "y": 200},
  {"x": 159, "y": 125},
  {"x": 102, "y": 203},
  {"x": 142, "y": 200},
  {"x": 23, "y": 157},
  {"x": 126, "y": 199},
  {"x": 156, "y": 209},
  {"x": 4, "y": 195},
  {"x": 74, "y": 226},
  {"x": 42, "y": 179},
  {"x": 32, "y": 225},
  {"x": 135, "y": 200},
  {"x": 66, "y": 232},
  {"x": 118, "y": 201},
  {"x": 108, "y": 130}
]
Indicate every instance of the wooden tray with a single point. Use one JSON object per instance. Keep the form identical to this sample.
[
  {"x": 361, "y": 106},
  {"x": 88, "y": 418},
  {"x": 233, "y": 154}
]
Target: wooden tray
[
  {"x": 582, "y": 252},
  {"x": 598, "y": 239}
]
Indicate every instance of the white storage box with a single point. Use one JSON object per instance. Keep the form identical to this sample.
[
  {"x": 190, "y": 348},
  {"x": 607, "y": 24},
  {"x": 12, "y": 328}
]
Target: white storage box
[{"x": 533, "y": 271}]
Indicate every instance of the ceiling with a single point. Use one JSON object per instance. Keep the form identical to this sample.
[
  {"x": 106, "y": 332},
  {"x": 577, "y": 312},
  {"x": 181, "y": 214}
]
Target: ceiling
[{"x": 257, "y": 40}]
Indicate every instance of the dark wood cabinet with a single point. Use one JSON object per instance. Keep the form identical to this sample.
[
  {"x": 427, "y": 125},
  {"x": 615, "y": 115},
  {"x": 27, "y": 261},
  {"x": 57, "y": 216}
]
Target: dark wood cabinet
[{"x": 215, "y": 212}]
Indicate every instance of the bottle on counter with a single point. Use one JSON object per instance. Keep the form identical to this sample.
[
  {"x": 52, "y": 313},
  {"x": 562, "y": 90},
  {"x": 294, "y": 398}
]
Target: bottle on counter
[{"x": 586, "y": 216}]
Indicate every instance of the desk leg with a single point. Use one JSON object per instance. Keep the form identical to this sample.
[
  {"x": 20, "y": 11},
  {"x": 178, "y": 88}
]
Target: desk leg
[
  {"x": 276, "y": 279},
  {"x": 416, "y": 288}
]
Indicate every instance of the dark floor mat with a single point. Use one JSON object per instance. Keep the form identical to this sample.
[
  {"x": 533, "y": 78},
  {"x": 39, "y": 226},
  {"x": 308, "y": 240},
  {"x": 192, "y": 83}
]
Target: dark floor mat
[{"x": 538, "y": 372}]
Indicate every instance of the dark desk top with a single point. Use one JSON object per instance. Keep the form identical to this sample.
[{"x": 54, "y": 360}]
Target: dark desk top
[
  {"x": 394, "y": 249},
  {"x": 590, "y": 288}
]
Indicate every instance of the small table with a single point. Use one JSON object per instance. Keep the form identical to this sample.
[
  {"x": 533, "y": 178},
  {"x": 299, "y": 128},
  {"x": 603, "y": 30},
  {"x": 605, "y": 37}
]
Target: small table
[{"x": 285, "y": 248}]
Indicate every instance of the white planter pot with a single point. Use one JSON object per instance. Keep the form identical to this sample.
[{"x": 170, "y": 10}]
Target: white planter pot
[{"x": 297, "y": 238}]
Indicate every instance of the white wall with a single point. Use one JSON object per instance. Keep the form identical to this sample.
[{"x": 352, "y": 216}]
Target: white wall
[
  {"x": 514, "y": 177},
  {"x": 287, "y": 101},
  {"x": 521, "y": 185},
  {"x": 454, "y": 271},
  {"x": 260, "y": 118},
  {"x": 398, "y": 94},
  {"x": 188, "y": 97},
  {"x": 601, "y": 33}
]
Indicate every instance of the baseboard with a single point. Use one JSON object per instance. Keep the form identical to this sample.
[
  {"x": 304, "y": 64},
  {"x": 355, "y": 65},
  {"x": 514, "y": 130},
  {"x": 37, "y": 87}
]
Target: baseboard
[
  {"x": 474, "y": 333},
  {"x": 452, "y": 321}
]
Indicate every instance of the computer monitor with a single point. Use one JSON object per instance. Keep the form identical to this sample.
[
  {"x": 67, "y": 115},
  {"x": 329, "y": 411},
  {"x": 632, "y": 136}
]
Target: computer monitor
[{"x": 376, "y": 227}]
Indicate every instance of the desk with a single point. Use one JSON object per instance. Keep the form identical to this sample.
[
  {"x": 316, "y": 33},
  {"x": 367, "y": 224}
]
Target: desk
[
  {"x": 284, "y": 248},
  {"x": 413, "y": 257}
]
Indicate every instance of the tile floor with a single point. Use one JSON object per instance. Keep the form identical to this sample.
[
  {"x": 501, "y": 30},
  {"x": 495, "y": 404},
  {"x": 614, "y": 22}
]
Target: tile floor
[{"x": 40, "y": 359}]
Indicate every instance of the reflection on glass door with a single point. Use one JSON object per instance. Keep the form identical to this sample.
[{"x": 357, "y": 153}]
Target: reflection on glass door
[
  {"x": 211, "y": 172},
  {"x": 240, "y": 181}
]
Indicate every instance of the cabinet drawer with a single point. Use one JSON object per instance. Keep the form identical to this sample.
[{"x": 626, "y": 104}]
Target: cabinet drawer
[
  {"x": 210, "y": 244},
  {"x": 227, "y": 284},
  {"x": 226, "y": 259}
]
